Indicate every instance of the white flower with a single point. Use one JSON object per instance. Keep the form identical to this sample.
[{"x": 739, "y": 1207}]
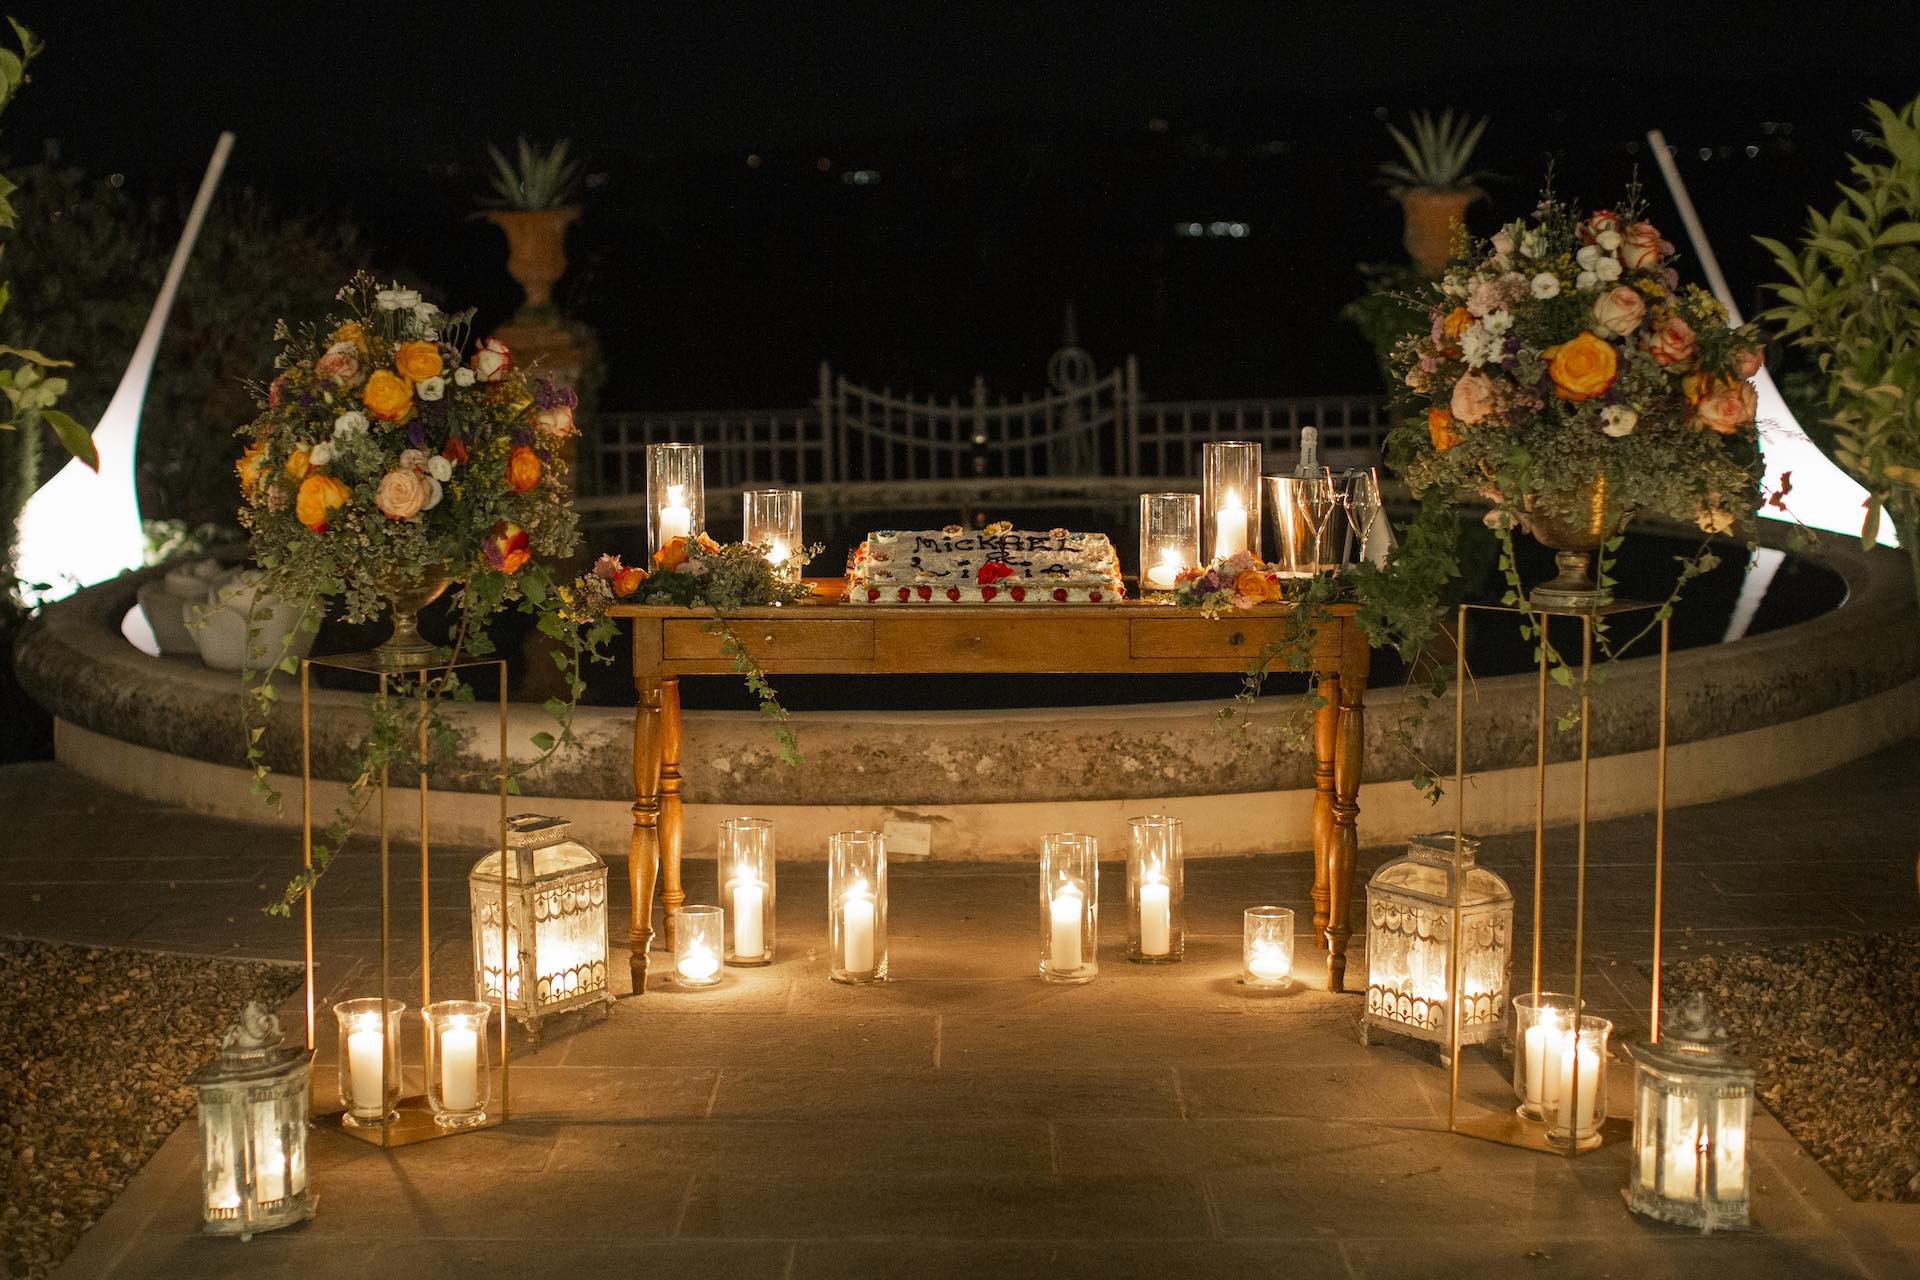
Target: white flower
[
  {"x": 1532, "y": 245},
  {"x": 321, "y": 454},
  {"x": 1608, "y": 269},
  {"x": 1588, "y": 255},
  {"x": 1608, "y": 239},
  {"x": 426, "y": 314},
  {"x": 1503, "y": 242},
  {"x": 433, "y": 493},
  {"x": 351, "y": 423},
  {"x": 396, "y": 299},
  {"x": 431, "y": 389},
  {"x": 1477, "y": 345},
  {"x": 440, "y": 468},
  {"x": 413, "y": 460},
  {"x": 1617, "y": 420},
  {"x": 1586, "y": 280},
  {"x": 1498, "y": 322},
  {"x": 463, "y": 377},
  {"x": 1453, "y": 286},
  {"x": 1545, "y": 285}
]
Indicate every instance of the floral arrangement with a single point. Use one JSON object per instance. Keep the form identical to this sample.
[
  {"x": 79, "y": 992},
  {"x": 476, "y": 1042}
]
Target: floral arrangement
[
  {"x": 384, "y": 452},
  {"x": 1237, "y": 582},
  {"x": 1565, "y": 348}
]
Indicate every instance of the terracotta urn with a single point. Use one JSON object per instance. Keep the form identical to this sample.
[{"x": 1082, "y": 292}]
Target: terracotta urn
[
  {"x": 1431, "y": 216},
  {"x": 536, "y": 249}
]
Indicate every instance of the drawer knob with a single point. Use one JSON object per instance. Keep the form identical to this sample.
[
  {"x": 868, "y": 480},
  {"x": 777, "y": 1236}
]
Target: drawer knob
[
  {"x": 1235, "y": 639},
  {"x": 769, "y": 637}
]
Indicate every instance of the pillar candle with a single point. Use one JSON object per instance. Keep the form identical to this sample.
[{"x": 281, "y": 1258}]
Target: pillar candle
[
  {"x": 676, "y": 518},
  {"x": 460, "y": 1069},
  {"x": 856, "y": 930},
  {"x": 1064, "y": 956},
  {"x": 699, "y": 964},
  {"x": 778, "y": 553},
  {"x": 1230, "y": 526},
  {"x": 1165, "y": 575},
  {"x": 1583, "y": 1105},
  {"x": 749, "y": 922},
  {"x": 1265, "y": 962},
  {"x": 366, "y": 1055},
  {"x": 1156, "y": 918},
  {"x": 1545, "y": 1043}
]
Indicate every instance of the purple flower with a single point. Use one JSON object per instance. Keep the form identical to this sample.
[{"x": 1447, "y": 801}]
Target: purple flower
[
  {"x": 547, "y": 394},
  {"x": 417, "y": 433}
]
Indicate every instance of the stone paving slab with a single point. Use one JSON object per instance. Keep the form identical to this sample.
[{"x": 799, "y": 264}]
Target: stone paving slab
[{"x": 968, "y": 1119}]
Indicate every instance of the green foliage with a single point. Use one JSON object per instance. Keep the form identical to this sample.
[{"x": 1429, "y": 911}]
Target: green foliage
[
  {"x": 534, "y": 179},
  {"x": 1390, "y": 310},
  {"x": 1852, "y": 298},
  {"x": 1438, "y": 154}
]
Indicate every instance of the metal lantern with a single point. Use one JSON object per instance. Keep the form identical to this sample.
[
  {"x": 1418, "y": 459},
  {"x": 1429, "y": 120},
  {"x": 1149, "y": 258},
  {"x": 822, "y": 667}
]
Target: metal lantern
[
  {"x": 1692, "y": 1112},
  {"x": 1412, "y": 903},
  {"x": 556, "y": 917},
  {"x": 253, "y": 1130}
]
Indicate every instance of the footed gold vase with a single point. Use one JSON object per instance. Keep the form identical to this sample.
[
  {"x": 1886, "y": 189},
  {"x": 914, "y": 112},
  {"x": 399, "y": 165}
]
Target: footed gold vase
[
  {"x": 1573, "y": 525},
  {"x": 406, "y": 647}
]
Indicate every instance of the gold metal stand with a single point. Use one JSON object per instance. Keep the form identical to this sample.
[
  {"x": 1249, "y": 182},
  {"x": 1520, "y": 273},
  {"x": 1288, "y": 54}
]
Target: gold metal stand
[
  {"x": 1504, "y": 1126},
  {"x": 412, "y": 1121}
]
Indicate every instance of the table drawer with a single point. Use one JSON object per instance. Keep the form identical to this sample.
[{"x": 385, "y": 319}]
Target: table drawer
[
  {"x": 775, "y": 638},
  {"x": 1195, "y": 637}
]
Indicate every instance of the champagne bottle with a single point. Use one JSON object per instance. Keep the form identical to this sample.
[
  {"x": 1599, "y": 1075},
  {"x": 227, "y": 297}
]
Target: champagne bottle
[{"x": 1309, "y": 465}]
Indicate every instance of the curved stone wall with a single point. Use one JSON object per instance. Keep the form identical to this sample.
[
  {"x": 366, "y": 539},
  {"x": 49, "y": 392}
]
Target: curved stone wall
[{"x": 1742, "y": 715}]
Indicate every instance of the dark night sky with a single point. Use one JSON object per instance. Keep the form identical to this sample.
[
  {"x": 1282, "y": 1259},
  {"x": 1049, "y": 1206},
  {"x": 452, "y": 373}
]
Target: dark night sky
[{"x": 1019, "y": 169}]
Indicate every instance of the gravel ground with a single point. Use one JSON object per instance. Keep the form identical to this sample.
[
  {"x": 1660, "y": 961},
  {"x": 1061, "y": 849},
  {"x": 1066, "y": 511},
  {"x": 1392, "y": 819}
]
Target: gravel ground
[
  {"x": 94, "y": 1048},
  {"x": 1833, "y": 1031}
]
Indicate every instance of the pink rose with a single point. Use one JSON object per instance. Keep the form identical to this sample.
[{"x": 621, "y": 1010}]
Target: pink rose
[
  {"x": 1620, "y": 309},
  {"x": 1672, "y": 342},
  {"x": 1503, "y": 242},
  {"x": 556, "y": 422},
  {"x": 491, "y": 360},
  {"x": 413, "y": 460},
  {"x": 341, "y": 364},
  {"x": 1727, "y": 407},
  {"x": 1640, "y": 247},
  {"x": 401, "y": 494},
  {"x": 1473, "y": 398},
  {"x": 608, "y": 567}
]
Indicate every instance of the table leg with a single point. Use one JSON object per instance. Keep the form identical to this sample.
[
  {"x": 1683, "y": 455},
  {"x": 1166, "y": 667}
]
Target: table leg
[
  {"x": 643, "y": 849},
  {"x": 1326, "y": 720},
  {"x": 672, "y": 818},
  {"x": 1348, "y": 755}
]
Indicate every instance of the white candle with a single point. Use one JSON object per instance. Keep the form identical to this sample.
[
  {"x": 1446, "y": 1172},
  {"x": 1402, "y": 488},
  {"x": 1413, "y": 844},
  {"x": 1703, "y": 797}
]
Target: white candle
[
  {"x": 1230, "y": 526},
  {"x": 460, "y": 1069},
  {"x": 699, "y": 964},
  {"x": 1585, "y": 1063},
  {"x": 1066, "y": 910},
  {"x": 778, "y": 553},
  {"x": 269, "y": 1163},
  {"x": 1265, "y": 961},
  {"x": 1156, "y": 918},
  {"x": 1165, "y": 575},
  {"x": 366, "y": 1078},
  {"x": 856, "y": 931},
  {"x": 1682, "y": 1165},
  {"x": 676, "y": 518},
  {"x": 749, "y": 924},
  {"x": 1545, "y": 1043}
]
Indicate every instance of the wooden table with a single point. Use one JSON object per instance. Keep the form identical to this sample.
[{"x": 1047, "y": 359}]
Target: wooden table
[{"x": 830, "y": 637}]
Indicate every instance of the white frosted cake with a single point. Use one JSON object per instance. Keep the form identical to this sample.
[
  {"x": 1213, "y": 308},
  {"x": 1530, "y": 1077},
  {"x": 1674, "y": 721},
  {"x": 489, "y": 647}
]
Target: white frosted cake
[{"x": 995, "y": 565}]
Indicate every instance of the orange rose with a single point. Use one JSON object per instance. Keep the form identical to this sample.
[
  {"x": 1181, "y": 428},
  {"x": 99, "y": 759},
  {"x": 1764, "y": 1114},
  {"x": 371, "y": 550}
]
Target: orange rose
[
  {"x": 251, "y": 462},
  {"x": 1748, "y": 361},
  {"x": 523, "y": 469},
  {"x": 506, "y": 548},
  {"x": 628, "y": 581},
  {"x": 1583, "y": 368},
  {"x": 671, "y": 556},
  {"x": 1672, "y": 342},
  {"x": 298, "y": 465},
  {"x": 388, "y": 396},
  {"x": 320, "y": 496},
  {"x": 1727, "y": 405},
  {"x": 1440, "y": 429},
  {"x": 418, "y": 360},
  {"x": 1456, "y": 323},
  {"x": 1255, "y": 585}
]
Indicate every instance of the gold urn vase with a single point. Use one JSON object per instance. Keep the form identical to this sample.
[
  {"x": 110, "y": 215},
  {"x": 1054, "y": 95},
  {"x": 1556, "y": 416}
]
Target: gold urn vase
[
  {"x": 406, "y": 647},
  {"x": 1573, "y": 524}
]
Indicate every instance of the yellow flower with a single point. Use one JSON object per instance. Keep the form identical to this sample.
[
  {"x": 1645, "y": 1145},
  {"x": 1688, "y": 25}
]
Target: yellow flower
[
  {"x": 388, "y": 396},
  {"x": 251, "y": 462},
  {"x": 297, "y": 466},
  {"x": 320, "y": 496},
  {"x": 1583, "y": 368},
  {"x": 418, "y": 360}
]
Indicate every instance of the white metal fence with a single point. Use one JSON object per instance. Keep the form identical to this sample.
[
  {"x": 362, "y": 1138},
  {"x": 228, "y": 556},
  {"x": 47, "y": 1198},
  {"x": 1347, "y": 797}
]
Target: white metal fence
[{"x": 854, "y": 440}]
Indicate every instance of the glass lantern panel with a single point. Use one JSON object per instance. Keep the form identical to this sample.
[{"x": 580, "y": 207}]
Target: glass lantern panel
[
  {"x": 1730, "y": 1145},
  {"x": 220, "y": 1122},
  {"x": 1679, "y": 1160}
]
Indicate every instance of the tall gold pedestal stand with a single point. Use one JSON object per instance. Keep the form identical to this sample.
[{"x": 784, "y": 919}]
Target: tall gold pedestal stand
[
  {"x": 412, "y": 1121},
  {"x": 1505, "y": 1125}
]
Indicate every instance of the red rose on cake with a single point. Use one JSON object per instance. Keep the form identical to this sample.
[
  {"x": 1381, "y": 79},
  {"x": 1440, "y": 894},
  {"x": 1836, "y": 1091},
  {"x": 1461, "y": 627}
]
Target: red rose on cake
[{"x": 993, "y": 571}]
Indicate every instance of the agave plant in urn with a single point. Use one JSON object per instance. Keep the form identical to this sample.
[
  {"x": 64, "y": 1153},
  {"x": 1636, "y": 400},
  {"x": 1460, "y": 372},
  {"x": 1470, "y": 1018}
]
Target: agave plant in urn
[
  {"x": 393, "y": 458},
  {"x": 1570, "y": 380}
]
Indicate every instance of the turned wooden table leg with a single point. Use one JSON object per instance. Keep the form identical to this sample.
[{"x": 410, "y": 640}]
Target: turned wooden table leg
[
  {"x": 643, "y": 849},
  {"x": 1348, "y": 756},
  {"x": 672, "y": 818},
  {"x": 1326, "y": 721}
]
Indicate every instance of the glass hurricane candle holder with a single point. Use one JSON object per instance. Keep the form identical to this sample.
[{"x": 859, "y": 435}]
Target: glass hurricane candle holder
[
  {"x": 252, "y": 1107},
  {"x": 556, "y": 919},
  {"x": 1230, "y": 498},
  {"x": 676, "y": 493},
  {"x": 745, "y": 854},
  {"x": 699, "y": 946},
  {"x": 459, "y": 1084},
  {"x": 771, "y": 521},
  {"x": 1169, "y": 539},
  {"x": 1069, "y": 907},
  {"x": 1692, "y": 1113},
  {"x": 369, "y": 1059},
  {"x": 1542, "y": 1026},
  {"x": 1411, "y": 905},
  {"x": 1156, "y": 907},
  {"x": 1576, "y": 1101},
  {"x": 1267, "y": 948},
  {"x": 857, "y": 905}
]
